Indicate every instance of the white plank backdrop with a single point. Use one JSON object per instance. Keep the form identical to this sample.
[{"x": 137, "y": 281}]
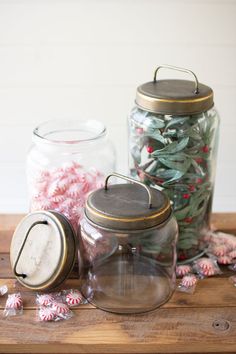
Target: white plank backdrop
[{"x": 85, "y": 58}]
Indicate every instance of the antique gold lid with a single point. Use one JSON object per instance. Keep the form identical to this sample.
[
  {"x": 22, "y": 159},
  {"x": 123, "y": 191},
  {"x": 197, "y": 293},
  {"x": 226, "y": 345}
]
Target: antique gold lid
[
  {"x": 43, "y": 250},
  {"x": 127, "y": 206},
  {"x": 174, "y": 96}
]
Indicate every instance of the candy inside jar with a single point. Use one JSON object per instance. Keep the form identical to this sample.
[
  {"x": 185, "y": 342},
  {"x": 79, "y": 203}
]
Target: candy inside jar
[{"x": 67, "y": 161}]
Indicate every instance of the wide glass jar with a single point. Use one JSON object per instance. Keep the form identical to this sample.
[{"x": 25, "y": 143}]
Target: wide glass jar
[
  {"x": 127, "y": 248},
  {"x": 67, "y": 160},
  {"x": 173, "y": 136}
]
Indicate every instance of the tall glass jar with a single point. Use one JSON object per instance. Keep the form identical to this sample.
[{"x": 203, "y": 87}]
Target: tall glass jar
[
  {"x": 67, "y": 160},
  {"x": 173, "y": 138}
]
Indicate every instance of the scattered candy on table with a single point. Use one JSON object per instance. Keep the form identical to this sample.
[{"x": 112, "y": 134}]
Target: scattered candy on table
[
  {"x": 206, "y": 267},
  {"x": 188, "y": 284},
  {"x": 46, "y": 314},
  {"x": 189, "y": 280},
  {"x": 74, "y": 297},
  {"x": 3, "y": 290},
  {"x": 59, "y": 308},
  {"x": 224, "y": 260},
  {"x": 45, "y": 299},
  {"x": 14, "y": 301},
  {"x": 14, "y": 305},
  {"x": 182, "y": 270}
]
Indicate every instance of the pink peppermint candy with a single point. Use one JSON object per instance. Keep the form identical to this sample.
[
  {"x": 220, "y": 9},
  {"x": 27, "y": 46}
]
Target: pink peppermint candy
[
  {"x": 220, "y": 250},
  {"x": 189, "y": 280},
  {"x": 206, "y": 266},
  {"x": 46, "y": 314},
  {"x": 45, "y": 299},
  {"x": 224, "y": 260},
  {"x": 65, "y": 189},
  {"x": 74, "y": 298},
  {"x": 182, "y": 270},
  {"x": 59, "y": 308},
  {"x": 232, "y": 254},
  {"x": 14, "y": 301}
]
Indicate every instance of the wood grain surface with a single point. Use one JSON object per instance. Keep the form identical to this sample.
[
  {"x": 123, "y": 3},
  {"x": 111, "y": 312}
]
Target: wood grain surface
[{"x": 204, "y": 322}]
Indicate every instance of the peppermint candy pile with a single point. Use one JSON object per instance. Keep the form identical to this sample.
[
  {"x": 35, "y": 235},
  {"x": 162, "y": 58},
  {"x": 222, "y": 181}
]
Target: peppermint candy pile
[
  {"x": 44, "y": 299},
  {"x": 64, "y": 189},
  {"x": 46, "y": 314},
  {"x": 222, "y": 246},
  {"x": 206, "y": 267},
  {"x": 56, "y": 306}
]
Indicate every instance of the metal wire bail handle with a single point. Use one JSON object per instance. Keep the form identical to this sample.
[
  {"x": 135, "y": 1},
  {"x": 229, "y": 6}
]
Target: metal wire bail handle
[
  {"x": 114, "y": 174},
  {"x": 22, "y": 247},
  {"x": 196, "y": 90}
]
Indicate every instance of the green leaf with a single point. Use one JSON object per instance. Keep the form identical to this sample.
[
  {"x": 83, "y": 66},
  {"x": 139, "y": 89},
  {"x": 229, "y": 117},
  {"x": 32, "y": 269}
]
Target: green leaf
[
  {"x": 176, "y": 121},
  {"x": 152, "y": 123},
  {"x": 172, "y": 147},
  {"x": 177, "y": 175},
  {"x": 157, "y": 136},
  {"x": 135, "y": 152},
  {"x": 181, "y": 214},
  {"x": 176, "y": 163}
]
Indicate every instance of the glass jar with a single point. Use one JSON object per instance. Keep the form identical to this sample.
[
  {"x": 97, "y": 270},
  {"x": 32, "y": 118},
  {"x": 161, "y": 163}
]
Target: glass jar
[
  {"x": 128, "y": 247},
  {"x": 67, "y": 160},
  {"x": 173, "y": 138}
]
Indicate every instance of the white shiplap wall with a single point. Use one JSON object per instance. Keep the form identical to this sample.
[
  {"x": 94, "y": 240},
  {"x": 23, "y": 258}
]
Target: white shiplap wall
[{"x": 84, "y": 59}]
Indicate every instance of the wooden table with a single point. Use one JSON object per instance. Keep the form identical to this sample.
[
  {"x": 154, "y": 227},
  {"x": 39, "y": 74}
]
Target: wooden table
[{"x": 204, "y": 322}]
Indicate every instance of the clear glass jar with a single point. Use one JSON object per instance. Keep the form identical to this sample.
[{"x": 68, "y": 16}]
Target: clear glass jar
[
  {"x": 67, "y": 160},
  {"x": 128, "y": 250},
  {"x": 173, "y": 139}
]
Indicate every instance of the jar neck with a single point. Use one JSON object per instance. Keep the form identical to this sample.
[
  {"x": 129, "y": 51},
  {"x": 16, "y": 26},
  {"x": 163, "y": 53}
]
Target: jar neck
[{"x": 71, "y": 136}]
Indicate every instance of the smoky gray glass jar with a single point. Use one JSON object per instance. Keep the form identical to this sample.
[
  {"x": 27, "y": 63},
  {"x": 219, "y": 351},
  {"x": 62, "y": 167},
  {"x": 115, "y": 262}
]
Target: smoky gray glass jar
[{"x": 127, "y": 244}]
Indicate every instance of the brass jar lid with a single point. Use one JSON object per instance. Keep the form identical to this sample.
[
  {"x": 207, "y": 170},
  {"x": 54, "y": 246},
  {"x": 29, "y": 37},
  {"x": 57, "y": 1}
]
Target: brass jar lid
[
  {"x": 43, "y": 250},
  {"x": 174, "y": 96},
  {"x": 127, "y": 206}
]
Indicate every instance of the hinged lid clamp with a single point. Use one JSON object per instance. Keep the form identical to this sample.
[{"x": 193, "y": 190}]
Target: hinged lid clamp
[
  {"x": 22, "y": 247},
  {"x": 196, "y": 91},
  {"x": 114, "y": 174}
]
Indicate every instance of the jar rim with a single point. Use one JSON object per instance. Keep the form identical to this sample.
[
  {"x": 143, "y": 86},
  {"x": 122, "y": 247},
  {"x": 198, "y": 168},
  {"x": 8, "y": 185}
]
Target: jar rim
[{"x": 81, "y": 131}]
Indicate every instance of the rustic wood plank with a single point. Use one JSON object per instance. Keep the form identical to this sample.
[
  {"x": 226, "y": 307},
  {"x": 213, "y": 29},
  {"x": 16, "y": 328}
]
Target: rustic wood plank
[
  {"x": 5, "y": 267},
  {"x": 162, "y": 331},
  {"x": 9, "y": 221},
  {"x": 224, "y": 221},
  {"x": 220, "y": 221},
  {"x": 210, "y": 292}
]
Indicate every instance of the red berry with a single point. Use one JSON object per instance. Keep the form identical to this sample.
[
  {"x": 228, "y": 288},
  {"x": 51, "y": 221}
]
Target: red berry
[
  {"x": 182, "y": 257},
  {"x": 191, "y": 188},
  {"x": 150, "y": 149},
  {"x": 199, "y": 159},
  {"x": 188, "y": 219},
  {"x": 205, "y": 148},
  {"x": 199, "y": 180},
  {"x": 161, "y": 181},
  {"x": 139, "y": 131},
  {"x": 186, "y": 196}
]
